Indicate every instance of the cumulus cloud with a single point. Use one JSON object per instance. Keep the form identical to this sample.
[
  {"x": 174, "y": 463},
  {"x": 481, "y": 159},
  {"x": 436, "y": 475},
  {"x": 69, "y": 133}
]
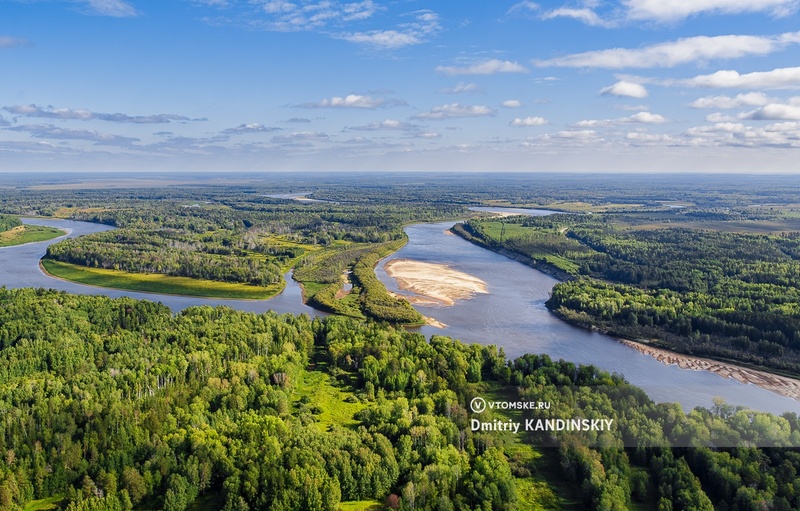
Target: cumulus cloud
[
  {"x": 486, "y": 67},
  {"x": 521, "y": 122},
  {"x": 774, "y": 112},
  {"x": 352, "y": 101},
  {"x": 298, "y": 120},
  {"x": 250, "y": 128},
  {"x": 676, "y": 10},
  {"x": 512, "y": 103},
  {"x": 425, "y": 25},
  {"x": 85, "y": 115},
  {"x": 688, "y": 50},
  {"x": 781, "y": 78},
  {"x": 12, "y": 42},
  {"x": 461, "y": 88},
  {"x": 455, "y": 110},
  {"x": 113, "y": 8},
  {"x": 625, "y": 89},
  {"x": 725, "y": 102}
]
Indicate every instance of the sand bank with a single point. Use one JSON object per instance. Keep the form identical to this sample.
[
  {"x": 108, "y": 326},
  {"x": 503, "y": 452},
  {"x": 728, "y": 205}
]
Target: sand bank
[
  {"x": 782, "y": 385},
  {"x": 436, "y": 284}
]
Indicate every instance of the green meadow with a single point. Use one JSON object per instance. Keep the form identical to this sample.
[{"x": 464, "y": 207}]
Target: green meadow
[{"x": 28, "y": 234}]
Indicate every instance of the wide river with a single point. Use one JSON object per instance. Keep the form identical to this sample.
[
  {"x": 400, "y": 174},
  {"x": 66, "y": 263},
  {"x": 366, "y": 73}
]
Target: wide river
[{"x": 512, "y": 315}]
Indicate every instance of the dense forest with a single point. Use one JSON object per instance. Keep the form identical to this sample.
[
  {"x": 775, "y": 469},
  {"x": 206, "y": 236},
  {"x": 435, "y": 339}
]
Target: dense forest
[
  {"x": 724, "y": 294},
  {"x": 117, "y": 404}
]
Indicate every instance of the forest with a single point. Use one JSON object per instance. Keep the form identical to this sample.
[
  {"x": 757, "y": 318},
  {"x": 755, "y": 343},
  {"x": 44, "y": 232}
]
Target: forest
[
  {"x": 117, "y": 404},
  {"x": 730, "y": 295}
]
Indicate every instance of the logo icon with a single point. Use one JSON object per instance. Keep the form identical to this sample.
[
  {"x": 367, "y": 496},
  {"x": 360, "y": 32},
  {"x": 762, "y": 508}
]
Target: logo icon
[{"x": 478, "y": 405}]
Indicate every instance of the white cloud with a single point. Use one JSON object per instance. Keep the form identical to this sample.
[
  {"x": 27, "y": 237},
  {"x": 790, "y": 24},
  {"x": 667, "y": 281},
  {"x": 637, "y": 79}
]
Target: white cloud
[
  {"x": 512, "y": 103},
  {"x": 351, "y": 101},
  {"x": 522, "y": 7},
  {"x": 300, "y": 136},
  {"x": 427, "y": 134},
  {"x": 461, "y": 88},
  {"x": 587, "y": 16},
  {"x": 724, "y": 102},
  {"x": 520, "y": 122},
  {"x": 774, "y": 112},
  {"x": 285, "y": 16},
  {"x": 85, "y": 115},
  {"x": 625, "y": 89},
  {"x": 688, "y": 50},
  {"x": 388, "y": 124},
  {"x": 637, "y": 118},
  {"x": 676, "y": 10},
  {"x": 425, "y": 25},
  {"x": 455, "y": 110},
  {"x": 486, "y": 67},
  {"x": 250, "y": 128},
  {"x": 113, "y": 8},
  {"x": 55, "y": 132},
  {"x": 781, "y": 78},
  {"x": 647, "y": 118}
]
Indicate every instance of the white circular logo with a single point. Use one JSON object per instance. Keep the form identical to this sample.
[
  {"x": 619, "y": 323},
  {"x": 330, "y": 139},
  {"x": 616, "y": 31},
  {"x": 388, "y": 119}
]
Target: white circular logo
[{"x": 478, "y": 405}]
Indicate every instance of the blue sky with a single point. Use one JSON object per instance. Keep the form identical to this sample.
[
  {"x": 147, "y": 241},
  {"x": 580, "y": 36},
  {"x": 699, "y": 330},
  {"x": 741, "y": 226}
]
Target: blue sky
[{"x": 248, "y": 85}]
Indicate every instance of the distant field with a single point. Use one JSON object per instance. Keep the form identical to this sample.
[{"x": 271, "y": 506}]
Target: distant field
[
  {"x": 28, "y": 234},
  {"x": 156, "y": 283}
]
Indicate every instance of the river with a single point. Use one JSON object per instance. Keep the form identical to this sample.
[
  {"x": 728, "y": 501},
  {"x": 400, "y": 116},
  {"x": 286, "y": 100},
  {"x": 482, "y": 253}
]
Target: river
[{"x": 512, "y": 315}]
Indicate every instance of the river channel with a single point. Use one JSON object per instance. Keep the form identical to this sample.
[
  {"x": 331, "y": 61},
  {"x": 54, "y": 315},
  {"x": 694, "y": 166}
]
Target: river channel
[{"x": 512, "y": 315}]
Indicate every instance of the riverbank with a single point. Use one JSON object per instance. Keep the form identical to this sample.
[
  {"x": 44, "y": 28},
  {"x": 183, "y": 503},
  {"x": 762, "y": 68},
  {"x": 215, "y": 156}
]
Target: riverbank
[
  {"x": 543, "y": 267},
  {"x": 437, "y": 284},
  {"x": 782, "y": 385},
  {"x": 155, "y": 283},
  {"x": 779, "y": 384}
]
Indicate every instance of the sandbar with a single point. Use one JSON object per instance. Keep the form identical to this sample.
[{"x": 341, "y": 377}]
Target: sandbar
[
  {"x": 782, "y": 385},
  {"x": 437, "y": 284}
]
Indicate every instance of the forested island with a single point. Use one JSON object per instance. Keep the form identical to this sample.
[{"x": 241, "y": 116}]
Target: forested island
[{"x": 118, "y": 404}]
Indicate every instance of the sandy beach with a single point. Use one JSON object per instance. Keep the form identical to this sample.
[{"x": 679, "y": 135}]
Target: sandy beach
[
  {"x": 436, "y": 284},
  {"x": 782, "y": 385}
]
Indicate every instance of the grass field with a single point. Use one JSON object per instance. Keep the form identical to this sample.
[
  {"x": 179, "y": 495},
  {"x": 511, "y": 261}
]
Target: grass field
[
  {"x": 44, "y": 504},
  {"x": 156, "y": 283},
  {"x": 360, "y": 505},
  {"x": 329, "y": 399},
  {"x": 28, "y": 234}
]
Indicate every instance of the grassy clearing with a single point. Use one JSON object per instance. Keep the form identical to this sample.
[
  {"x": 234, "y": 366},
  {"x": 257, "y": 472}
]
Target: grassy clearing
[
  {"x": 331, "y": 403},
  {"x": 28, "y": 234},
  {"x": 156, "y": 283},
  {"x": 44, "y": 504},
  {"x": 360, "y": 505}
]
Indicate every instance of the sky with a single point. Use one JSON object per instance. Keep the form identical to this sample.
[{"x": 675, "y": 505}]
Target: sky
[{"x": 406, "y": 85}]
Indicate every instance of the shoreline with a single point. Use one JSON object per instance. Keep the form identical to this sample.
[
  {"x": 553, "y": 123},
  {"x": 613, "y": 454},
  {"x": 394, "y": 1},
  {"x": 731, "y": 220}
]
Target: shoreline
[
  {"x": 155, "y": 293},
  {"x": 782, "y": 385},
  {"x": 435, "y": 284},
  {"x": 779, "y": 384}
]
